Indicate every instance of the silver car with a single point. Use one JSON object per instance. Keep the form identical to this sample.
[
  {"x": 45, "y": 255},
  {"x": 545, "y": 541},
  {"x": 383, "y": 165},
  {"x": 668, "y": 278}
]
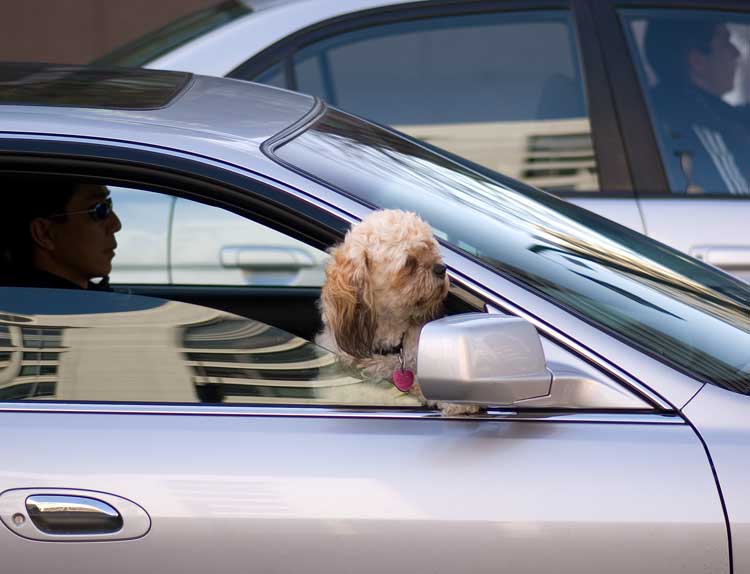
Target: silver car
[
  {"x": 197, "y": 428},
  {"x": 583, "y": 98}
]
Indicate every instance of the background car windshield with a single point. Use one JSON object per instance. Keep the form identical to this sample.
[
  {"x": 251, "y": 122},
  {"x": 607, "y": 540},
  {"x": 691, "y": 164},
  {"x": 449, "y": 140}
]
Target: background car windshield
[
  {"x": 657, "y": 299},
  {"x": 172, "y": 36}
]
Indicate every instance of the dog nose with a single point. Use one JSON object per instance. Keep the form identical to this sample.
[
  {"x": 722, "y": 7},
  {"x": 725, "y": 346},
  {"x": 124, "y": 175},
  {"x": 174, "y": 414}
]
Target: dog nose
[{"x": 439, "y": 269}]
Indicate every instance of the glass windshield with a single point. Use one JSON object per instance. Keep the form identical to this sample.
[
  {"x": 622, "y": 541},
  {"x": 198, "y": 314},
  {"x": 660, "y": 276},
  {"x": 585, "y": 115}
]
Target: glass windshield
[
  {"x": 661, "y": 301},
  {"x": 154, "y": 44}
]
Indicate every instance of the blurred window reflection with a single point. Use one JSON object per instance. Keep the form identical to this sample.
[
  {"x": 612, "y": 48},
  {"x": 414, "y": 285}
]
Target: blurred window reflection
[
  {"x": 458, "y": 83},
  {"x": 694, "y": 67},
  {"x": 174, "y": 241}
]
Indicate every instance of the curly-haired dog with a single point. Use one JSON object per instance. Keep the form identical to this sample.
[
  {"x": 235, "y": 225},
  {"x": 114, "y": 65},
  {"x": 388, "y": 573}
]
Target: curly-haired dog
[{"x": 383, "y": 283}]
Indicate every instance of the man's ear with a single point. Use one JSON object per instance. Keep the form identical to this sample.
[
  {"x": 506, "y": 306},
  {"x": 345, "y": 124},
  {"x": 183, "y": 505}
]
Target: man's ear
[{"x": 42, "y": 233}]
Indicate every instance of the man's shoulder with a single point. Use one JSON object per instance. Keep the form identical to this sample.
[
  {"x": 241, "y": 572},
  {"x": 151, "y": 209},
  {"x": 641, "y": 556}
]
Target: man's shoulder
[{"x": 25, "y": 277}]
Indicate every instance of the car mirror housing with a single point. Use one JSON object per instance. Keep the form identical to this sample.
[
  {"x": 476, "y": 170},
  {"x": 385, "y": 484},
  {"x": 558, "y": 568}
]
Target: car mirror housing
[{"x": 479, "y": 358}]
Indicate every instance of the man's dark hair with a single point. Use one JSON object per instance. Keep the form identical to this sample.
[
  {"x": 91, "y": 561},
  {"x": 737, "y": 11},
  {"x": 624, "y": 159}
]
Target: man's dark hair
[
  {"x": 30, "y": 197},
  {"x": 668, "y": 44}
]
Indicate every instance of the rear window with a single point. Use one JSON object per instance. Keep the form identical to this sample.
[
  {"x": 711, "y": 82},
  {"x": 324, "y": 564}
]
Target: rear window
[
  {"x": 154, "y": 44},
  {"x": 73, "y": 86}
]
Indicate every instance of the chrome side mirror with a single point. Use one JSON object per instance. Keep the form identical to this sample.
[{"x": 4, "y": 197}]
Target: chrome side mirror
[{"x": 479, "y": 358}]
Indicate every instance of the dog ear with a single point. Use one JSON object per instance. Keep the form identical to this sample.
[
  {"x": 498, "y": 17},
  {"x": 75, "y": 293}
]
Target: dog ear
[{"x": 348, "y": 305}]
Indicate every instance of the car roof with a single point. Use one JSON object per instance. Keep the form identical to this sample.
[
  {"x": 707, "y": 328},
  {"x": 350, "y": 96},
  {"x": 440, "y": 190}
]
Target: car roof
[
  {"x": 221, "y": 50},
  {"x": 217, "y": 117}
]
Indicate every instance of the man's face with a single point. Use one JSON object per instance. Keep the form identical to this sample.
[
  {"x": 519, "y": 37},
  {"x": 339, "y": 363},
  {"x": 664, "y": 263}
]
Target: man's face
[
  {"x": 715, "y": 71},
  {"x": 84, "y": 247}
]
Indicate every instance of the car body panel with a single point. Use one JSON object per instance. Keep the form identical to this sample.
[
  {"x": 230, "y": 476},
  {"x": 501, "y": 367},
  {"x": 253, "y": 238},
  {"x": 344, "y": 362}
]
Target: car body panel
[
  {"x": 671, "y": 220},
  {"x": 187, "y": 123},
  {"x": 725, "y": 437},
  {"x": 623, "y": 210},
  {"x": 441, "y": 496}
]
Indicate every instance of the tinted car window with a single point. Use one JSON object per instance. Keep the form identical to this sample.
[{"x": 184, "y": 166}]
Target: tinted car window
[
  {"x": 73, "y": 345},
  {"x": 458, "y": 83},
  {"x": 694, "y": 67},
  {"x": 680, "y": 311}
]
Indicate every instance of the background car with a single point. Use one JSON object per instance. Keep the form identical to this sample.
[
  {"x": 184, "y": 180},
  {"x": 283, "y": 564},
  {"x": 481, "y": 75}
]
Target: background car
[
  {"x": 559, "y": 94},
  {"x": 202, "y": 430}
]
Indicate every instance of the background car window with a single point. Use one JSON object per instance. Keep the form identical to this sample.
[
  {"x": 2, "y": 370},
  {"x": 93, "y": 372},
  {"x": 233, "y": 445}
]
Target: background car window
[
  {"x": 168, "y": 240},
  {"x": 273, "y": 76},
  {"x": 694, "y": 68},
  {"x": 71, "y": 345},
  {"x": 458, "y": 83}
]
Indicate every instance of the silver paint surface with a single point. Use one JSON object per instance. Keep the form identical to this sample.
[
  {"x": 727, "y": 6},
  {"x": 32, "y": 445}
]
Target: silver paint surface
[
  {"x": 723, "y": 420},
  {"x": 280, "y": 494}
]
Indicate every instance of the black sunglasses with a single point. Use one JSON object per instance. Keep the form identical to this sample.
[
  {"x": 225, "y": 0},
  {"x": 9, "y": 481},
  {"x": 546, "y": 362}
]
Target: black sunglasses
[{"x": 99, "y": 212}]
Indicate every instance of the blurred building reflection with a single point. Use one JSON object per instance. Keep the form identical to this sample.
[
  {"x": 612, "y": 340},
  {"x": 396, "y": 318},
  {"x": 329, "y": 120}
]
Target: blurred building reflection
[
  {"x": 176, "y": 353},
  {"x": 555, "y": 154}
]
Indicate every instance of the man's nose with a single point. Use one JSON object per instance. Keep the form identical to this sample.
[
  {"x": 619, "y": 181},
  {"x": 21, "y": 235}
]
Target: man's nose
[{"x": 113, "y": 222}]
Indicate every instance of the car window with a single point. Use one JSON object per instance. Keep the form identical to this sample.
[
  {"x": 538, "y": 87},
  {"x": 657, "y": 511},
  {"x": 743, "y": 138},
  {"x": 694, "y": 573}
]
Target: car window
[
  {"x": 273, "y": 76},
  {"x": 687, "y": 314},
  {"x": 458, "y": 83},
  {"x": 76, "y": 345},
  {"x": 694, "y": 68},
  {"x": 169, "y": 240}
]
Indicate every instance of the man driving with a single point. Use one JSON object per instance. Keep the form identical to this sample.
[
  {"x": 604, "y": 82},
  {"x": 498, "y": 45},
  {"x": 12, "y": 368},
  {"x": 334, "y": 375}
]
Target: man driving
[
  {"x": 63, "y": 235},
  {"x": 707, "y": 138}
]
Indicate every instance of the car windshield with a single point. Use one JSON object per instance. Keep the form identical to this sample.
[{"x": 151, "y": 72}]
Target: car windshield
[
  {"x": 675, "y": 308},
  {"x": 154, "y": 44}
]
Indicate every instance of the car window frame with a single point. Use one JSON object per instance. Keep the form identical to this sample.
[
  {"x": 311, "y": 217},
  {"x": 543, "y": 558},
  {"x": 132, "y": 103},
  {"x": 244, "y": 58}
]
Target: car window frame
[
  {"x": 268, "y": 201},
  {"x": 613, "y": 172}
]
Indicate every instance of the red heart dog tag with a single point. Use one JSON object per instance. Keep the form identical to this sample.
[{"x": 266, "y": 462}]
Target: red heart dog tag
[{"x": 403, "y": 380}]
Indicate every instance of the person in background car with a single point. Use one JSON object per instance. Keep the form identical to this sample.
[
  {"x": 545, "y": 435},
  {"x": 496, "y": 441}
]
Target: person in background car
[
  {"x": 696, "y": 63},
  {"x": 62, "y": 235}
]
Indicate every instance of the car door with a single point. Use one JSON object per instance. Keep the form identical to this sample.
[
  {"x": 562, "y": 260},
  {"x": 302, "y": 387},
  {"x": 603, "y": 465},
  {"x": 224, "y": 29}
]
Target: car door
[
  {"x": 220, "y": 470},
  {"x": 449, "y": 74},
  {"x": 692, "y": 180}
]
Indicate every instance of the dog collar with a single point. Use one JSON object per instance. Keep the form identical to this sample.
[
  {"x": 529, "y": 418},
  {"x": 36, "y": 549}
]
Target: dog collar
[{"x": 394, "y": 350}]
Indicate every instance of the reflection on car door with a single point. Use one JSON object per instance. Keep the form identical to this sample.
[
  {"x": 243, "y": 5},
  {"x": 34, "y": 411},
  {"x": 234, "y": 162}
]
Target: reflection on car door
[{"x": 294, "y": 488}]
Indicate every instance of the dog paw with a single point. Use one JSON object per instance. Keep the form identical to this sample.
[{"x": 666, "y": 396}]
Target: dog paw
[{"x": 454, "y": 409}]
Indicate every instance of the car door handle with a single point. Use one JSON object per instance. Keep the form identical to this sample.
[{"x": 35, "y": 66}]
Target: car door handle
[
  {"x": 264, "y": 258},
  {"x": 55, "y": 514},
  {"x": 724, "y": 256},
  {"x": 65, "y": 514}
]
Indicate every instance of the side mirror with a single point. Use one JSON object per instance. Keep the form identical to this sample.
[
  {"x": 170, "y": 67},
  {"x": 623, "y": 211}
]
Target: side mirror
[{"x": 486, "y": 359}]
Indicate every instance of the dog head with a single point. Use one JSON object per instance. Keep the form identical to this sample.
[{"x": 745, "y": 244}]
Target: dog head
[{"x": 387, "y": 275}]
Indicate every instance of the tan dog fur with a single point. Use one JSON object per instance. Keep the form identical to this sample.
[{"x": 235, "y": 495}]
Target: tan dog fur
[{"x": 380, "y": 286}]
